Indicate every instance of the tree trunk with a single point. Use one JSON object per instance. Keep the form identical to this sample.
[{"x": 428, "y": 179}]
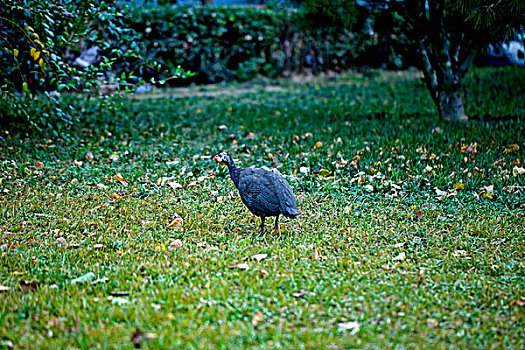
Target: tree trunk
[
  {"x": 450, "y": 105},
  {"x": 445, "y": 63}
]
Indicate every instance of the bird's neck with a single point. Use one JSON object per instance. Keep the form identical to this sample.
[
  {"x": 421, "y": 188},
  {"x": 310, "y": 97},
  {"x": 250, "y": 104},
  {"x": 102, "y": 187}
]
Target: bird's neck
[{"x": 234, "y": 173}]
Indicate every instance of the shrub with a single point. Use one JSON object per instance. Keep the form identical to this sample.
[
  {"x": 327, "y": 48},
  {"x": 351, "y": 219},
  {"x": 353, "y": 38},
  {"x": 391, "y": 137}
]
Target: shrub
[{"x": 237, "y": 43}]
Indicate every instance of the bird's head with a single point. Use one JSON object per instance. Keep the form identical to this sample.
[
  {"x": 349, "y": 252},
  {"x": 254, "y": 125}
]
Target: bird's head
[{"x": 223, "y": 158}]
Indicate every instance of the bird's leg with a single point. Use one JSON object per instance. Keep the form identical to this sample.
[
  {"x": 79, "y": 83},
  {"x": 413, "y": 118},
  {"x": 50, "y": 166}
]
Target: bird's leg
[
  {"x": 262, "y": 224},
  {"x": 276, "y": 227}
]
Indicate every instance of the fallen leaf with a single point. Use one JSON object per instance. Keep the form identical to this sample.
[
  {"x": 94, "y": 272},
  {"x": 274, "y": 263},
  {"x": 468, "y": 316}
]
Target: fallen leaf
[
  {"x": 257, "y": 318},
  {"x": 176, "y": 244},
  {"x": 88, "y": 277},
  {"x": 324, "y": 173},
  {"x": 518, "y": 171},
  {"x": 432, "y": 323},
  {"x": 61, "y": 241},
  {"x": 264, "y": 273},
  {"x": 120, "y": 293},
  {"x": 55, "y": 321},
  {"x": 441, "y": 193},
  {"x": 174, "y": 185},
  {"x": 118, "y": 301},
  {"x": 178, "y": 222},
  {"x": 89, "y": 155},
  {"x": 511, "y": 148},
  {"x": 240, "y": 266},
  {"x": 318, "y": 144},
  {"x": 369, "y": 188},
  {"x": 302, "y": 293},
  {"x": 418, "y": 215},
  {"x": 121, "y": 179},
  {"x": 315, "y": 255},
  {"x": 100, "y": 280},
  {"x": 521, "y": 301},
  {"x": 352, "y": 326},
  {"x": 29, "y": 286},
  {"x": 39, "y": 164},
  {"x": 401, "y": 256},
  {"x": 259, "y": 257},
  {"x": 459, "y": 253},
  {"x": 459, "y": 186},
  {"x": 6, "y": 344}
]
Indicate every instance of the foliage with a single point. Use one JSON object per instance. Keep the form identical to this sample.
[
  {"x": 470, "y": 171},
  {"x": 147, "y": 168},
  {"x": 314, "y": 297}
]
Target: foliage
[
  {"x": 227, "y": 43},
  {"x": 340, "y": 13},
  {"x": 39, "y": 41},
  {"x": 217, "y": 43},
  {"x": 411, "y": 229}
]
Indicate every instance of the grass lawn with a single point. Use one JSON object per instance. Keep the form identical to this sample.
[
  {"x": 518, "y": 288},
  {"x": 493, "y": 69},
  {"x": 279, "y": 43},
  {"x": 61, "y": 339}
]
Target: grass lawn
[{"x": 412, "y": 232}]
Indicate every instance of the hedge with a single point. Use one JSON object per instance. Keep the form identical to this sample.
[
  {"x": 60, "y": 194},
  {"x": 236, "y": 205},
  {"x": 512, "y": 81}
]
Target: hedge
[{"x": 238, "y": 43}]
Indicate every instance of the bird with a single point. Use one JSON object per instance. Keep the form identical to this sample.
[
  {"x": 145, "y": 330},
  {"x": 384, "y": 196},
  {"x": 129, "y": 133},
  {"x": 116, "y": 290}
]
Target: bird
[{"x": 264, "y": 192}]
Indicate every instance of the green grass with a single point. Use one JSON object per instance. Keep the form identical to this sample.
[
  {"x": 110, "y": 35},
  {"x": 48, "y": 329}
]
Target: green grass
[{"x": 411, "y": 244}]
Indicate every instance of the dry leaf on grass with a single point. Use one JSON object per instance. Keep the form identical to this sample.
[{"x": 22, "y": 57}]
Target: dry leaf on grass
[
  {"x": 240, "y": 266},
  {"x": 176, "y": 244},
  {"x": 259, "y": 257},
  {"x": 29, "y": 286},
  {"x": 138, "y": 337},
  {"x": 352, "y": 326},
  {"x": 257, "y": 318},
  {"x": 401, "y": 256},
  {"x": 178, "y": 222}
]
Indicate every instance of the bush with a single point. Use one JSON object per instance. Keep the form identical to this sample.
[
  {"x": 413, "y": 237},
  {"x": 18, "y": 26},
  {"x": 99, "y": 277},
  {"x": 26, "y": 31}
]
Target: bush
[
  {"x": 39, "y": 41},
  {"x": 238, "y": 43}
]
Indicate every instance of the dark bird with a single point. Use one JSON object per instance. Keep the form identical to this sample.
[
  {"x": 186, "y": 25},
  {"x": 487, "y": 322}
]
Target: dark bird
[{"x": 265, "y": 193}]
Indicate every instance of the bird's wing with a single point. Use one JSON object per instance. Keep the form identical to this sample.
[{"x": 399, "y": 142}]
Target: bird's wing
[
  {"x": 258, "y": 192},
  {"x": 287, "y": 201}
]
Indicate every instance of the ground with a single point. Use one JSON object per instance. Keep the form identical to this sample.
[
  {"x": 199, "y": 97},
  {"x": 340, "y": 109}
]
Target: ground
[{"x": 126, "y": 233}]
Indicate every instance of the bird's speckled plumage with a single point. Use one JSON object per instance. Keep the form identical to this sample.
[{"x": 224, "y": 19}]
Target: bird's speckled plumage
[{"x": 265, "y": 193}]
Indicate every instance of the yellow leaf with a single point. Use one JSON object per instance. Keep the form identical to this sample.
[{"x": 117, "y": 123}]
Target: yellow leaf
[
  {"x": 33, "y": 52},
  {"x": 324, "y": 173},
  {"x": 37, "y": 54},
  {"x": 459, "y": 186},
  {"x": 40, "y": 61},
  {"x": 512, "y": 148},
  {"x": 318, "y": 144},
  {"x": 24, "y": 86},
  {"x": 119, "y": 178},
  {"x": 15, "y": 52}
]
